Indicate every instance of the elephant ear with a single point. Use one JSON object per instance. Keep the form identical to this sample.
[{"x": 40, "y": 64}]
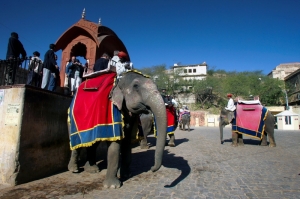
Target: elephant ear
[{"x": 117, "y": 97}]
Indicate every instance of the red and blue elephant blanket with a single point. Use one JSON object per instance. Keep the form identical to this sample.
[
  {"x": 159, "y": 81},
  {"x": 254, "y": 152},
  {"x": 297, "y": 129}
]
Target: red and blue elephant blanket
[
  {"x": 250, "y": 120},
  {"x": 92, "y": 114}
]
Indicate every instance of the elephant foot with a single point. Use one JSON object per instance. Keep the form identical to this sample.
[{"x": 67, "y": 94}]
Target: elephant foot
[
  {"x": 145, "y": 146},
  {"x": 272, "y": 145},
  {"x": 234, "y": 145},
  {"x": 241, "y": 144},
  {"x": 172, "y": 144},
  {"x": 91, "y": 169},
  {"x": 73, "y": 168},
  {"x": 264, "y": 144},
  {"x": 112, "y": 183}
]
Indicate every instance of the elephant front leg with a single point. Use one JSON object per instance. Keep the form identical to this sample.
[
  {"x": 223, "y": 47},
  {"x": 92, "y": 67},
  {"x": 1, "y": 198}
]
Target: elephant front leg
[
  {"x": 73, "y": 163},
  {"x": 113, "y": 156},
  {"x": 234, "y": 139},
  {"x": 172, "y": 140},
  {"x": 144, "y": 143}
]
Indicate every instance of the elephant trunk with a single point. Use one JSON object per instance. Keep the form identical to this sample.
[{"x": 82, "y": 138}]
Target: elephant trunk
[
  {"x": 221, "y": 129},
  {"x": 157, "y": 106}
]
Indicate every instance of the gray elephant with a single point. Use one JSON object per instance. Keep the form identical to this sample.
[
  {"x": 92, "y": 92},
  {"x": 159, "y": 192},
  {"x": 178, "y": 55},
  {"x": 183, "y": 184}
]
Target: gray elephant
[
  {"x": 227, "y": 117},
  {"x": 185, "y": 121},
  {"x": 147, "y": 126},
  {"x": 133, "y": 95}
]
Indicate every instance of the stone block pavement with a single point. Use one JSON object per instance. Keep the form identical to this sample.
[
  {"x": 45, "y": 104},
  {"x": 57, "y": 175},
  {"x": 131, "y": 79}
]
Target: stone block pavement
[{"x": 198, "y": 167}]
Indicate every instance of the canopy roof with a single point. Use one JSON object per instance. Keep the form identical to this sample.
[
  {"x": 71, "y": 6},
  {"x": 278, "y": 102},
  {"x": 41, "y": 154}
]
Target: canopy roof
[{"x": 287, "y": 113}]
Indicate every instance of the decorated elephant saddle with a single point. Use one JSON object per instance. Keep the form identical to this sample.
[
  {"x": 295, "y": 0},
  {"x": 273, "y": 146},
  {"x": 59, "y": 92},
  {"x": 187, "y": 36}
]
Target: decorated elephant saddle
[
  {"x": 250, "y": 118},
  {"x": 92, "y": 115}
]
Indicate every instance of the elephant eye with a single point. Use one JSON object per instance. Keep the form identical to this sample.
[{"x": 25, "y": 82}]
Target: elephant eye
[{"x": 135, "y": 86}]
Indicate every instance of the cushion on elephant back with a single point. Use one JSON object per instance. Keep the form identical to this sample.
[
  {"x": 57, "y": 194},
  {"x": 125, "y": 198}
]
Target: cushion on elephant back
[{"x": 249, "y": 119}]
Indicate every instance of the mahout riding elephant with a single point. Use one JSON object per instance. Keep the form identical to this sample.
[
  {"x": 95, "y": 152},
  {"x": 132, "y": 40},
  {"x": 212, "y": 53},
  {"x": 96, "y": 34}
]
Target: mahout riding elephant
[
  {"x": 147, "y": 126},
  {"x": 185, "y": 121},
  {"x": 226, "y": 117},
  {"x": 134, "y": 94}
]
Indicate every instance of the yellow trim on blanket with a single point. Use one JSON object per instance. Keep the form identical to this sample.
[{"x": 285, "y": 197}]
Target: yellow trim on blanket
[
  {"x": 69, "y": 119},
  {"x": 93, "y": 142}
]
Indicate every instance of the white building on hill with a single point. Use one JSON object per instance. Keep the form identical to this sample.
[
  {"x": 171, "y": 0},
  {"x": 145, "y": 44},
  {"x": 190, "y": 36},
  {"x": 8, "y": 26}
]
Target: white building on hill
[{"x": 188, "y": 72}]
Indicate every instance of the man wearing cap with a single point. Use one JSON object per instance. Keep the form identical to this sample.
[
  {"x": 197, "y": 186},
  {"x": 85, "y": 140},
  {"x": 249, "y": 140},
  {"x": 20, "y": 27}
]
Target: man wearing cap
[
  {"x": 230, "y": 105},
  {"x": 35, "y": 70},
  {"x": 121, "y": 63}
]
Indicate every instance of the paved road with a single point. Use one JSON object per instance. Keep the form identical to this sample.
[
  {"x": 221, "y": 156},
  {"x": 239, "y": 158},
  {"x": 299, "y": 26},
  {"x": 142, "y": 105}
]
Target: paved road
[{"x": 198, "y": 167}]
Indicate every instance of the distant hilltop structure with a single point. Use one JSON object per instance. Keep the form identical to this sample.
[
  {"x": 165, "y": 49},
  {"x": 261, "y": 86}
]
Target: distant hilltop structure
[
  {"x": 192, "y": 71},
  {"x": 283, "y": 70}
]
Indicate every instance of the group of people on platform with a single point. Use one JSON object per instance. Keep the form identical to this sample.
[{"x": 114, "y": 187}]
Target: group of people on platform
[{"x": 45, "y": 73}]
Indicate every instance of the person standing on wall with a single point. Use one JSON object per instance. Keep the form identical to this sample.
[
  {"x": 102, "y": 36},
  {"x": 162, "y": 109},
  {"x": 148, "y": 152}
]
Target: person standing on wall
[
  {"x": 50, "y": 66},
  {"x": 14, "y": 49},
  {"x": 35, "y": 70},
  {"x": 53, "y": 77}
]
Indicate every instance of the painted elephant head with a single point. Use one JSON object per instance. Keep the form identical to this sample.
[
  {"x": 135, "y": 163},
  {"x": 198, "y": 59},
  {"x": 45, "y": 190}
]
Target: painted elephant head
[{"x": 139, "y": 94}]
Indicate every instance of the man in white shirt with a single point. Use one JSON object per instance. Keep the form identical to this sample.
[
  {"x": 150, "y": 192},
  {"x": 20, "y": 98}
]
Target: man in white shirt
[
  {"x": 230, "y": 104},
  {"x": 121, "y": 63}
]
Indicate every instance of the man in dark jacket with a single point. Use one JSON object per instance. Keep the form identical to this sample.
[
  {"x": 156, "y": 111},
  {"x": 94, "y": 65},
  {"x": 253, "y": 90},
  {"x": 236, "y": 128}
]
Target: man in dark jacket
[
  {"x": 50, "y": 66},
  {"x": 101, "y": 63},
  {"x": 14, "y": 49}
]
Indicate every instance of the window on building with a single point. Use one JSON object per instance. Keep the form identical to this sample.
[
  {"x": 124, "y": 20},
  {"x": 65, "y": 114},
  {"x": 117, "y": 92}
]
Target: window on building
[
  {"x": 185, "y": 70},
  {"x": 190, "y": 70},
  {"x": 288, "y": 120},
  {"x": 194, "y": 70}
]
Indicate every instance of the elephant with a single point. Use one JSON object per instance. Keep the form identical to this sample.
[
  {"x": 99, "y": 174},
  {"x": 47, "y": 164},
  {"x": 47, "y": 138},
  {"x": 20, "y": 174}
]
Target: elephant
[
  {"x": 185, "y": 120},
  {"x": 237, "y": 138},
  {"x": 147, "y": 128},
  {"x": 133, "y": 94}
]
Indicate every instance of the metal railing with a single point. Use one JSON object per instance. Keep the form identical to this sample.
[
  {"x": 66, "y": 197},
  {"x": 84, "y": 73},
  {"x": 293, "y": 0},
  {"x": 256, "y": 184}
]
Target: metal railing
[{"x": 14, "y": 71}]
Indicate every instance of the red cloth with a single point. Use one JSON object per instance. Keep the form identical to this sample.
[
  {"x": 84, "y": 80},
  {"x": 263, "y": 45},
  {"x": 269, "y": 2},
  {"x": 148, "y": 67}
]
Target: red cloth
[
  {"x": 171, "y": 119},
  {"x": 88, "y": 103},
  {"x": 248, "y": 116}
]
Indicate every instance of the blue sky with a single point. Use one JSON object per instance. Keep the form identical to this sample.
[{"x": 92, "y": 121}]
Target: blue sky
[{"x": 232, "y": 35}]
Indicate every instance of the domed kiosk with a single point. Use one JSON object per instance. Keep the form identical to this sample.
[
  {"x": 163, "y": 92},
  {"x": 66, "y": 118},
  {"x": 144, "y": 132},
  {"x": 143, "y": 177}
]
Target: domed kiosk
[{"x": 88, "y": 40}]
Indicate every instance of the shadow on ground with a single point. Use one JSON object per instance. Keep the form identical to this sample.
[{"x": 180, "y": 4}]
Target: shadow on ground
[{"x": 144, "y": 160}]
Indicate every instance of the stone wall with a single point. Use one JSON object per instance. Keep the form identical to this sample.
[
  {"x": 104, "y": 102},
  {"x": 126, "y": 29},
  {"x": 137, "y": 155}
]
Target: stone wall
[{"x": 34, "y": 136}]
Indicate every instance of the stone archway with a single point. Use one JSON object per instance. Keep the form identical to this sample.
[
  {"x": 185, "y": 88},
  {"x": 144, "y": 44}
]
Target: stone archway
[
  {"x": 89, "y": 40},
  {"x": 79, "y": 49}
]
